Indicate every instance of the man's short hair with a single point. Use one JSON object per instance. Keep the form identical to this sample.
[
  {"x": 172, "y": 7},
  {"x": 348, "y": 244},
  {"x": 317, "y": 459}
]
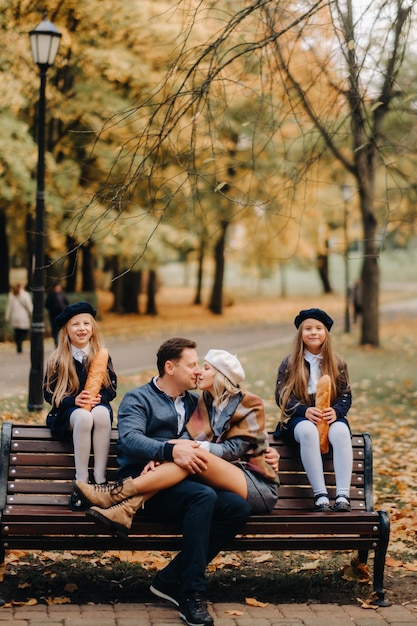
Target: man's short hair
[{"x": 171, "y": 350}]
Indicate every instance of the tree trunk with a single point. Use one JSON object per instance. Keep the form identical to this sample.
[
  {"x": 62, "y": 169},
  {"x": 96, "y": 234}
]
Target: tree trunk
[
  {"x": 216, "y": 300},
  {"x": 71, "y": 272},
  {"x": 4, "y": 255},
  {"x": 323, "y": 269},
  {"x": 88, "y": 282},
  {"x": 151, "y": 293},
  {"x": 200, "y": 266},
  {"x": 116, "y": 285},
  {"x": 369, "y": 276},
  {"x": 131, "y": 287}
]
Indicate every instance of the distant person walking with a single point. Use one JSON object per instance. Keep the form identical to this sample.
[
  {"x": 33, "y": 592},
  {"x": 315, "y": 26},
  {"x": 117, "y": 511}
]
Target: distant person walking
[
  {"x": 55, "y": 303},
  {"x": 19, "y": 314}
]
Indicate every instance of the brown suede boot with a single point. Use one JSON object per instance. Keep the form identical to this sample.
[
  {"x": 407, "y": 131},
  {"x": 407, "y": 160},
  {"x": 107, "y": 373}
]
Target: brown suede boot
[
  {"x": 105, "y": 495},
  {"x": 119, "y": 517}
]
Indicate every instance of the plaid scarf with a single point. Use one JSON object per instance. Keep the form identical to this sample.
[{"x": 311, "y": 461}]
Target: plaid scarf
[{"x": 246, "y": 421}]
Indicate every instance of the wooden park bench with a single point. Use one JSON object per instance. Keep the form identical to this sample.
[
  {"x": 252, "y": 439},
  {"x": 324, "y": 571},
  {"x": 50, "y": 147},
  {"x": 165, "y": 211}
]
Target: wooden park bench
[{"x": 36, "y": 481}]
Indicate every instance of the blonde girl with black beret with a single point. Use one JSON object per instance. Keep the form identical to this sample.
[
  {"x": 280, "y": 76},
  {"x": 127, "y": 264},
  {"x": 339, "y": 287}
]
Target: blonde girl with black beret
[
  {"x": 66, "y": 375},
  {"x": 313, "y": 356}
]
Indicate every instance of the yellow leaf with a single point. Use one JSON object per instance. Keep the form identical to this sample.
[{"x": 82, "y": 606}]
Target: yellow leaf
[
  {"x": 364, "y": 604},
  {"x": 234, "y": 612},
  {"x": 411, "y": 567},
  {"x": 356, "y": 571},
  {"x": 30, "y": 602},
  {"x": 262, "y": 558},
  {"x": 60, "y": 600},
  {"x": 390, "y": 562},
  {"x": 306, "y": 566},
  {"x": 255, "y": 602}
]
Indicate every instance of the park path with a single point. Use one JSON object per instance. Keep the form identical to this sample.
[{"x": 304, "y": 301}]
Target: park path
[{"x": 133, "y": 354}]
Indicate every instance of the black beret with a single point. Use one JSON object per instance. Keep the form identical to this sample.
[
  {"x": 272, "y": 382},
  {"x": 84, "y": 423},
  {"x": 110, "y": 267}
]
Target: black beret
[
  {"x": 315, "y": 314},
  {"x": 74, "y": 309}
]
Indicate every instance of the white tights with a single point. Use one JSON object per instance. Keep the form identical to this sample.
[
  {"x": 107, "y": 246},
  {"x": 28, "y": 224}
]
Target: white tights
[
  {"x": 91, "y": 427},
  {"x": 306, "y": 434}
]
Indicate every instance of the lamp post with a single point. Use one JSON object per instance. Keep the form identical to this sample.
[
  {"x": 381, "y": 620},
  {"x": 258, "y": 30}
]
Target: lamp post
[
  {"x": 346, "y": 195},
  {"x": 44, "y": 40}
]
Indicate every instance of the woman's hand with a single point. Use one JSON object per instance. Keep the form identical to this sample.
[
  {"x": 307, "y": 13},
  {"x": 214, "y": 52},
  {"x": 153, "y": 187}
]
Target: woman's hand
[
  {"x": 150, "y": 467},
  {"x": 272, "y": 458}
]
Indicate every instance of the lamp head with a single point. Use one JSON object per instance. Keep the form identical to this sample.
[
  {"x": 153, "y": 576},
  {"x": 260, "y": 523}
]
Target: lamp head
[{"x": 44, "y": 40}]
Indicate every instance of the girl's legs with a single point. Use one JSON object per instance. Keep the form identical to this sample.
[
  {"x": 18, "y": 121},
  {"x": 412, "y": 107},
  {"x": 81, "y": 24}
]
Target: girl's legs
[
  {"x": 340, "y": 439},
  {"x": 307, "y": 435},
  {"x": 81, "y": 424},
  {"x": 101, "y": 441}
]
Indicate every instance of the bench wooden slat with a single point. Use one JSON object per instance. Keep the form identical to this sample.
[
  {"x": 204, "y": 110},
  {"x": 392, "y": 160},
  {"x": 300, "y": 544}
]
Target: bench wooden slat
[{"x": 36, "y": 476}]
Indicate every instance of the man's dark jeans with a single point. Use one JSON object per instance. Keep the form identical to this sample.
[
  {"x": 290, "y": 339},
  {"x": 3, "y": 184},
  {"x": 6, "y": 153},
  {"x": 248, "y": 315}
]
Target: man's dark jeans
[{"x": 210, "y": 519}]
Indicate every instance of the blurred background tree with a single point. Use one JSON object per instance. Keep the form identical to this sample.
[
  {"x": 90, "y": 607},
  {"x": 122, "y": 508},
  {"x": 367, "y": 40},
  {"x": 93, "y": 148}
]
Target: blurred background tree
[{"x": 214, "y": 132}]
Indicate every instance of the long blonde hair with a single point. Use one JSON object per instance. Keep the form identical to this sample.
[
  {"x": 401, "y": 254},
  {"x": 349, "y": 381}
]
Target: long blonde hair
[
  {"x": 60, "y": 370},
  {"x": 296, "y": 377},
  {"x": 224, "y": 389}
]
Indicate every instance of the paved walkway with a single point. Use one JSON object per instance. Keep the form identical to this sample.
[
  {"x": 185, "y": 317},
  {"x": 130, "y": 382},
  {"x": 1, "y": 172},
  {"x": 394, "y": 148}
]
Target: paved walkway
[
  {"x": 158, "y": 614},
  {"x": 133, "y": 354}
]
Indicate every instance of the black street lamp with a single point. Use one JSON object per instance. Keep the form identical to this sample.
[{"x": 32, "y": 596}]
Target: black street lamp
[
  {"x": 44, "y": 40},
  {"x": 346, "y": 196}
]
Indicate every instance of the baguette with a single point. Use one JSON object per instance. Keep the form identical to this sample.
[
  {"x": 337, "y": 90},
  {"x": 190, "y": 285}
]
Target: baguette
[
  {"x": 323, "y": 402},
  {"x": 96, "y": 374}
]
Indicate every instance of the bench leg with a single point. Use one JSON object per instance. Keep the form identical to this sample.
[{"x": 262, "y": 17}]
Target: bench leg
[{"x": 379, "y": 561}]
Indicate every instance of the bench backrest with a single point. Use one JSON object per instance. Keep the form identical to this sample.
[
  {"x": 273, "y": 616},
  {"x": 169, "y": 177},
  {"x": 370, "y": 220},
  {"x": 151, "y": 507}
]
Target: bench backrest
[{"x": 37, "y": 469}]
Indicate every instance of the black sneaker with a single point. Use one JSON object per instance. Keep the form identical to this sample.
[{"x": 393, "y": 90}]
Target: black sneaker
[
  {"x": 167, "y": 591},
  {"x": 193, "y": 610},
  {"x": 75, "y": 503}
]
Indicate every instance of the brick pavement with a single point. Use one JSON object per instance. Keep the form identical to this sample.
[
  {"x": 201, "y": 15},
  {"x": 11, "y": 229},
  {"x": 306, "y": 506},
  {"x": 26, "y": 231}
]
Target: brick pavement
[{"x": 225, "y": 614}]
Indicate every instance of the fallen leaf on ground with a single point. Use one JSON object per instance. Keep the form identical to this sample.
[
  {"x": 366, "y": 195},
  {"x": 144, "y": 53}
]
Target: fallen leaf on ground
[
  {"x": 262, "y": 558},
  {"x": 365, "y": 604},
  {"x": 255, "y": 602},
  {"x": 60, "y": 600},
  {"x": 356, "y": 571},
  {"x": 30, "y": 602},
  {"x": 234, "y": 612},
  {"x": 306, "y": 567}
]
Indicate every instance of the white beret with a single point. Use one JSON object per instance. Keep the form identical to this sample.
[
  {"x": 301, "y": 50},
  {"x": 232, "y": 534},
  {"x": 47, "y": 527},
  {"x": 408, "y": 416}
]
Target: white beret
[{"x": 228, "y": 364}]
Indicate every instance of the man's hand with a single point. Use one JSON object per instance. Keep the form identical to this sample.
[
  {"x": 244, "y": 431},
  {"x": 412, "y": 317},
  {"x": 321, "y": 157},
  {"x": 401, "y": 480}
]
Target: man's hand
[
  {"x": 272, "y": 458},
  {"x": 188, "y": 455}
]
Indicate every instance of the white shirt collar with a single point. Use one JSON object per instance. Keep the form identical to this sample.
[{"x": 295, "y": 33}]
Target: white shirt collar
[
  {"x": 80, "y": 353},
  {"x": 315, "y": 369}
]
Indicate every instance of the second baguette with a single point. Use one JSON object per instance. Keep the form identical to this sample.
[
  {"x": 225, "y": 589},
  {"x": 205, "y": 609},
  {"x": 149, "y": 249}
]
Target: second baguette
[{"x": 323, "y": 402}]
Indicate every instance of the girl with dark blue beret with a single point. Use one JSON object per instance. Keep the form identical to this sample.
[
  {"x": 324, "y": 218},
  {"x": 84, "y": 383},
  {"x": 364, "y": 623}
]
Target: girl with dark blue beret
[{"x": 313, "y": 356}]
